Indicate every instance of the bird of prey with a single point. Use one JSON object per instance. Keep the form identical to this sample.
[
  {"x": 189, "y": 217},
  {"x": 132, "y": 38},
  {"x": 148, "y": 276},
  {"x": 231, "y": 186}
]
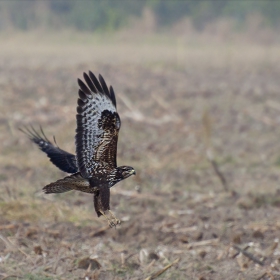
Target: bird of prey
[{"x": 94, "y": 167}]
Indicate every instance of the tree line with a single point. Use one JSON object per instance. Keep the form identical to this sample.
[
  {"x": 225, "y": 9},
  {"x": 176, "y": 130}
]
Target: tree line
[{"x": 91, "y": 15}]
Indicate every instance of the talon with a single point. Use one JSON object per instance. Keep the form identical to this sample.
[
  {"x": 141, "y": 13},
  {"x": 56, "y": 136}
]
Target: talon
[
  {"x": 112, "y": 221},
  {"x": 112, "y": 224},
  {"x": 117, "y": 221}
]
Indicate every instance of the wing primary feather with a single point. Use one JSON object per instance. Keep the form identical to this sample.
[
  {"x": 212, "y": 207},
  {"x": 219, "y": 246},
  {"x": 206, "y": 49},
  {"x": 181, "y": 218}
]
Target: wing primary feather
[
  {"x": 80, "y": 110},
  {"x": 35, "y": 133},
  {"x": 96, "y": 82},
  {"x": 81, "y": 103},
  {"x": 60, "y": 158},
  {"x": 113, "y": 97},
  {"x": 82, "y": 95},
  {"x": 54, "y": 140},
  {"x": 104, "y": 86},
  {"x": 79, "y": 118},
  {"x": 27, "y": 129},
  {"x": 83, "y": 87},
  {"x": 44, "y": 134},
  {"x": 90, "y": 83}
]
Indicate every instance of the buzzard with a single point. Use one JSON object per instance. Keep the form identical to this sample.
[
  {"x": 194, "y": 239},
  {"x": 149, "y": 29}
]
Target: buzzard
[{"x": 94, "y": 167}]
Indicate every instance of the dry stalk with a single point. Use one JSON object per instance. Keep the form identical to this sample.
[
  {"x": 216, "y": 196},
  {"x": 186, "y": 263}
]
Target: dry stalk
[
  {"x": 178, "y": 230},
  {"x": 210, "y": 242},
  {"x": 9, "y": 226},
  {"x": 150, "y": 264},
  {"x": 217, "y": 170},
  {"x": 207, "y": 125},
  {"x": 57, "y": 259},
  {"x": 248, "y": 255},
  {"x": 261, "y": 276},
  {"x": 99, "y": 231},
  {"x": 10, "y": 246},
  {"x": 268, "y": 273},
  {"x": 158, "y": 273}
]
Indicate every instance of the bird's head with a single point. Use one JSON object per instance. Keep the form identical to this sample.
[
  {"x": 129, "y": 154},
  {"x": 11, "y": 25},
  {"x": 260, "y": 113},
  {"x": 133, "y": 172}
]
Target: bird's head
[
  {"x": 120, "y": 173},
  {"x": 124, "y": 172}
]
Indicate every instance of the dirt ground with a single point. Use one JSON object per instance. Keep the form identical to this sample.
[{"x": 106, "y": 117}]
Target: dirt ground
[{"x": 200, "y": 125}]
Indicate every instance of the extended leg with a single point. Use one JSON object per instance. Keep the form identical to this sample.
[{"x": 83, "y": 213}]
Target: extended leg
[
  {"x": 117, "y": 221},
  {"x": 101, "y": 201},
  {"x": 112, "y": 221}
]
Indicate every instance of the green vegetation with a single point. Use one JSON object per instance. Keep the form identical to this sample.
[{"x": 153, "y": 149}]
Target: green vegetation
[{"x": 92, "y": 15}]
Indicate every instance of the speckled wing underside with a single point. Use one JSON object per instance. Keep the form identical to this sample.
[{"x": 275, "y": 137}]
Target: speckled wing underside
[
  {"x": 60, "y": 158},
  {"x": 98, "y": 124}
]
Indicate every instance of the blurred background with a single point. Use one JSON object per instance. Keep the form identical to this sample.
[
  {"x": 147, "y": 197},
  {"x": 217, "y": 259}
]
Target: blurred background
[{"x": 198, "y": 91}]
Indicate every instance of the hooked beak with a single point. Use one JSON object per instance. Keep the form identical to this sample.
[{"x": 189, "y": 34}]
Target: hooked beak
[{"x": 133, "y": 172}]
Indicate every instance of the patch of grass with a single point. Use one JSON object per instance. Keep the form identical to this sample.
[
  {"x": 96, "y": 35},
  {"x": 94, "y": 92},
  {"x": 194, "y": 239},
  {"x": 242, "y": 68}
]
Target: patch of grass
[
  {"x": 36, "y": 277},
  {"x": 277, "y": 162}
]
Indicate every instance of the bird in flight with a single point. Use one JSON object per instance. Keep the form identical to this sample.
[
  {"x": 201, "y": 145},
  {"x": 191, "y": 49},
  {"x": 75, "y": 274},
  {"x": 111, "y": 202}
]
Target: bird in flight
[{"x": 94, "y": 167}]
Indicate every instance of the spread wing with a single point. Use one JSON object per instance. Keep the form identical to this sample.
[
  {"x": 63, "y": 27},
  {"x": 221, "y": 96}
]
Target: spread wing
[
  {"x": 98, "y": 124},
  {"x": 60, "y": 158}
]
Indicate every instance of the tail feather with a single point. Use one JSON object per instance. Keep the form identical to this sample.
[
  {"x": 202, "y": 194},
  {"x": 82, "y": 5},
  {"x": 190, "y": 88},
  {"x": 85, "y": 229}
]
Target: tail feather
[
  {"x": 55, "y": 188},
  {"x": 72, "y": 182}
]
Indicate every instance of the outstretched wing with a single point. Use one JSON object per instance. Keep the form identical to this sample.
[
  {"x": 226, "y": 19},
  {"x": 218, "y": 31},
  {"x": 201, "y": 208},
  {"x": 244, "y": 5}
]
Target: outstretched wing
[
  {"x": 60, "y": 158},
  {"x": 98, "y": 124}
]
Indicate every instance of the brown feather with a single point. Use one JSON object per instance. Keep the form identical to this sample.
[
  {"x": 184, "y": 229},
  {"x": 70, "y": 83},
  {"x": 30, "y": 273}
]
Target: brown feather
[
  {"x": 72, "y": 182},
  {"x": 101, "y": 200}
]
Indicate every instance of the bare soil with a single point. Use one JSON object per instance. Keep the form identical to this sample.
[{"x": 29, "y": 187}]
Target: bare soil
[{"x": 181, "y": 106}]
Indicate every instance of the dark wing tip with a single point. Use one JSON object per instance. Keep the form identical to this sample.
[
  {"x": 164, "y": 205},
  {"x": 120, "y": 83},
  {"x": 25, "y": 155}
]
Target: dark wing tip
[
  {"x": 99, "y": 85},
  {"x": 95, "y": 82},
  {"x": 82, "y": 95},
  {"x": 90, "y": 83},
  {"x": 27, "y": 131},
  {"x": 104, "y": 86},
  {"x": 83, "y": 87},
  {"x": 113, "y": 97},
  {"x": 33, "y": 134}
]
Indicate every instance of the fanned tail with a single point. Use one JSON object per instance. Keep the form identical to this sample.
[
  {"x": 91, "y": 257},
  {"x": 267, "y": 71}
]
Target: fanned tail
[
  {"x": 72, "y": 182},
  {"x": 54, "y": 188}
]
